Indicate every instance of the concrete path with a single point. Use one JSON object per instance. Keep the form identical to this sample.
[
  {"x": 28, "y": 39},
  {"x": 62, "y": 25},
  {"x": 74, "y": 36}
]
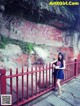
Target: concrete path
[{"x": 70, "y": 96}]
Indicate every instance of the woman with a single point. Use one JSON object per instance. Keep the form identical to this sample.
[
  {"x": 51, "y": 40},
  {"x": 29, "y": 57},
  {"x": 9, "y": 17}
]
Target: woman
[{"x": 60, "y": 71}]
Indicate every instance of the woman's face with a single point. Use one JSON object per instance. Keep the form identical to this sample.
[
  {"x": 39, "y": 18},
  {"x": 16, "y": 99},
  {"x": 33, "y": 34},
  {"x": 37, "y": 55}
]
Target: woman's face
[{"x": 60, "y": 56}]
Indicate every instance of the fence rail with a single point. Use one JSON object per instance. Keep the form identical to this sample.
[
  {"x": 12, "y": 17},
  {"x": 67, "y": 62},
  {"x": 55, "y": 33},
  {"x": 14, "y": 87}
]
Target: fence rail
[{"x": 33, "y": 82}]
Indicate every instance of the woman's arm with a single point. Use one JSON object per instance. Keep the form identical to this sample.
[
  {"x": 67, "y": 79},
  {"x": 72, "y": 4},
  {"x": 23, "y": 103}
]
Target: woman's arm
[{"x": 54, "y": 61}]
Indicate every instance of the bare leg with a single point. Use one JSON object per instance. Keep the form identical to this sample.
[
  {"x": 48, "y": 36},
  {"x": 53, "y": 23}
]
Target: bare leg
[{"x": 59, "y": 85}]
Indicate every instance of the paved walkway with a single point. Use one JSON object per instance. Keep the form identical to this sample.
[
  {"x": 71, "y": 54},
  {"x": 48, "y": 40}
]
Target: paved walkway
[{"x": 70, "y": 96}]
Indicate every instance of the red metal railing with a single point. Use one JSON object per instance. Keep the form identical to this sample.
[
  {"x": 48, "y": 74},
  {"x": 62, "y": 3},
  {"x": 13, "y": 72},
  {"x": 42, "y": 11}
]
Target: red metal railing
[{"x": 34, "y": 82}]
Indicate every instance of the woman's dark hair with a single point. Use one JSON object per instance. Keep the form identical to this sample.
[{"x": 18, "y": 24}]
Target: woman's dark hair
[{"x": 61, "y": 58}]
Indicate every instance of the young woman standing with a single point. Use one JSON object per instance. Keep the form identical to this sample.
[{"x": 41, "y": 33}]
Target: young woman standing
[{"x": 60, "y": 71}]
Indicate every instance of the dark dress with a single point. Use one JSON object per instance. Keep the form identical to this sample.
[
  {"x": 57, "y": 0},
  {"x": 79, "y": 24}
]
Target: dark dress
[{"x": 59, "y": 72}]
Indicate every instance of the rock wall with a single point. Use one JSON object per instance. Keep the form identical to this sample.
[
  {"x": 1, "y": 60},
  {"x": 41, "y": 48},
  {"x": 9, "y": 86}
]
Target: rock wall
[{"x": 66, "y": 41}]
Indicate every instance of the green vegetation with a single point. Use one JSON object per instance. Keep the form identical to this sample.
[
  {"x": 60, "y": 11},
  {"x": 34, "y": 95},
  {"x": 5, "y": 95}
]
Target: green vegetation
[
  {"x": 2, "y": 45},
  {"x": 25, "y": 46},
  {"x": 29, "y": 47}
]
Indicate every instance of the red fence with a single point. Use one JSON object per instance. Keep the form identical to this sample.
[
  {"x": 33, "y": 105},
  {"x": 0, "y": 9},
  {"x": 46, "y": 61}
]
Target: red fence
[{"x": 32, "y": 83}]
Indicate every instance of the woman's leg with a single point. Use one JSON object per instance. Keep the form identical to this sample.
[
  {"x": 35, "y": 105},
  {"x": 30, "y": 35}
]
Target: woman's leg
[{"x": 59, "y": 85}]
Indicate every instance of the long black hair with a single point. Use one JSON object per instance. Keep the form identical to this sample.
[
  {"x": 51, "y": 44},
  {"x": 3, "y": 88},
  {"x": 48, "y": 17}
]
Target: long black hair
[{"x": 61, "y": 60}]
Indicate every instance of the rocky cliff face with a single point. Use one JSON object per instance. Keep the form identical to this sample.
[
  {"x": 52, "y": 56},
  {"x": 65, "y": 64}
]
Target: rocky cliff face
[
  {"x": 50, "y": 29},
  {"x": 57, "y": 28},
  {"x": 39, "y": 11}
]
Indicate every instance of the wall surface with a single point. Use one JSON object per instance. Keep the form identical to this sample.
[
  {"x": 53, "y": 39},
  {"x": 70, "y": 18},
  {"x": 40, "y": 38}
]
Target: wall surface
[{"x": 52, "y": 39}]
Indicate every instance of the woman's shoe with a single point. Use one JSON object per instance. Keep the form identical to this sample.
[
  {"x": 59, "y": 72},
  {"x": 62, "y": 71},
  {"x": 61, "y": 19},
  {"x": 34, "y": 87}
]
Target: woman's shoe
[
  {"x": 58, "y": 95},
  {"x": 59, "y": 92}
]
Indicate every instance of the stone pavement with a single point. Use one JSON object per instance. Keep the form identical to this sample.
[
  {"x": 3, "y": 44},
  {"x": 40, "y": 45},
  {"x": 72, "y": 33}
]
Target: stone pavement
[{"x": 70, "y": 96}]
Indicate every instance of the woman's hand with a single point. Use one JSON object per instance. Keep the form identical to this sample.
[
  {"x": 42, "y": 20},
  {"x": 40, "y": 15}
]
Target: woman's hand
[{"x": 56, "y": 67}]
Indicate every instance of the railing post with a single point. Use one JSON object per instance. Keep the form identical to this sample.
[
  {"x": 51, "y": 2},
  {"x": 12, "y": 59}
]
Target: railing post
[
  {"x": 75, "y": 68},
  {"x": 3, "y": 81},
  {"x": 54, "y": 77}
]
